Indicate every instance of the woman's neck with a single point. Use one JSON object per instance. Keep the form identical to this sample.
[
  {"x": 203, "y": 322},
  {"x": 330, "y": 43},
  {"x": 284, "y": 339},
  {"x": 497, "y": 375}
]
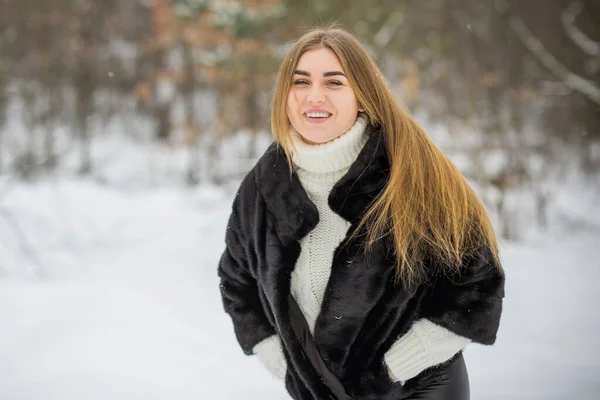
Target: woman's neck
[{"x": 334, "y": 155}]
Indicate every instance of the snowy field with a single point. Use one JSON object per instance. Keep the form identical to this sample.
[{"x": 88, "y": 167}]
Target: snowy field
[{"x": 120, "y": 301}]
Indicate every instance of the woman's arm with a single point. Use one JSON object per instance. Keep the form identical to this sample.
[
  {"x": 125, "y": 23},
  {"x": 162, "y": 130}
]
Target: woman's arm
[
  {"x": 468, "y": 303},
  {"x": 270, "y": 353},
  {"x": 456, "y": 310},
  {"x": 239, "y": 289},
  {"x": 424, "y": 345}
]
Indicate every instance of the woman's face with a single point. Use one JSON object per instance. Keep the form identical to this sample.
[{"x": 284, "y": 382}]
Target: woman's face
[{"x": 321, "y": 104}]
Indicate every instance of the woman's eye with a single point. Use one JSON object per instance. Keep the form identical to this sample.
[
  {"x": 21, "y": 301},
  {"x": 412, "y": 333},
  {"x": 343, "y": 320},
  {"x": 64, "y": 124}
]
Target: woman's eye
[
  {"x": 300, "y": 82},
  {"x": 334, "y": 83}
]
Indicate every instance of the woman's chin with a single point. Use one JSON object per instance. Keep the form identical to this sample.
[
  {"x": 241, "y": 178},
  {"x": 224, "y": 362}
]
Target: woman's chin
[{"x": 314, "y": 138}]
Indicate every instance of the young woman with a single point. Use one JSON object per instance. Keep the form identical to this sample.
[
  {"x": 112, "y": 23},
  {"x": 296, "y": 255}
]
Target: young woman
[{"x": 359, "y": 263}]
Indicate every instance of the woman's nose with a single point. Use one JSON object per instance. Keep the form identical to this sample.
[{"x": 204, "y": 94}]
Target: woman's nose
[{"x": 316, "y": 95}]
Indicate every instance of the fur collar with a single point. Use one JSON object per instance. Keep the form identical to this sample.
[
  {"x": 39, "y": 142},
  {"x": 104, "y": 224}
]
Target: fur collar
[{"x": 350, "y": 196}]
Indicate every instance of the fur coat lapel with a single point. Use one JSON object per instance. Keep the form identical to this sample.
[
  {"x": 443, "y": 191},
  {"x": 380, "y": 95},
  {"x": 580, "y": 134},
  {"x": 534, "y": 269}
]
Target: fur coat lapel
[{"x": 350, "y": 197}]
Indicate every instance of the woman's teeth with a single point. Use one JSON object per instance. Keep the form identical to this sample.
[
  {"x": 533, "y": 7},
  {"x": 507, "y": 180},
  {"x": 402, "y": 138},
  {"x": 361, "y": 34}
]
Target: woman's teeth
[{"x": 317, "y": 115}]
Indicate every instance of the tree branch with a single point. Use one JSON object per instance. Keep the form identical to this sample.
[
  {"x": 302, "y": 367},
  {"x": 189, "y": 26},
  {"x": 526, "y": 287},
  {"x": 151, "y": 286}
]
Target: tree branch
[
  {"x": 536, "y": 47},
  {"x": 26, "y": 248},
  {"x": 386, "y": 33},
  {"x": 586, "y": 44}
]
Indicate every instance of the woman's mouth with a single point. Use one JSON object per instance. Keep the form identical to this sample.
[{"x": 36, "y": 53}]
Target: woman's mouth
[{"x": 317, "y": 117}]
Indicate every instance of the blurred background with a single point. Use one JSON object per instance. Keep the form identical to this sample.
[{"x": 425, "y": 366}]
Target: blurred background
[
  {"x": 87, "y": 85},
  {"x": 126, "y": 126}
]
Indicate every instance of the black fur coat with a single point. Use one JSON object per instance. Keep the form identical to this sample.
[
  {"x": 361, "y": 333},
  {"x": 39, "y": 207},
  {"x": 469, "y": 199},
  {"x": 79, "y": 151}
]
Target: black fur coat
[{"x": 363, "y": 311}]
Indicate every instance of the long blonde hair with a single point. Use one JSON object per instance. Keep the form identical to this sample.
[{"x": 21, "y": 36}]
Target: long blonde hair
[{"x": 427, "y": 205}]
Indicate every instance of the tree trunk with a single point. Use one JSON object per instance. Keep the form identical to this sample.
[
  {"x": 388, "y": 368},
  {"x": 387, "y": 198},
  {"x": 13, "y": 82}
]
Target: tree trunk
[{"x": 84, "y": 93}]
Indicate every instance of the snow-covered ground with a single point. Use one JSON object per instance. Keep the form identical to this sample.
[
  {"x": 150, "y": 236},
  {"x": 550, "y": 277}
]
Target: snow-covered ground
[{"x": 120, "y": 301}]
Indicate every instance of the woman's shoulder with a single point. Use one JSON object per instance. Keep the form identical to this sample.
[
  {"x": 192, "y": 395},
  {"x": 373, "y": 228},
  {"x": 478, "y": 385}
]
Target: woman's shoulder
[
  {"x": 272, "y": 158},
  {"x": 267, "y": 168}
]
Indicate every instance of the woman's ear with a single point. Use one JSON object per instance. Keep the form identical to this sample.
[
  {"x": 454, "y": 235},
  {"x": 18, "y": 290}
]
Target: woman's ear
[{"x": 361, "y": 108}]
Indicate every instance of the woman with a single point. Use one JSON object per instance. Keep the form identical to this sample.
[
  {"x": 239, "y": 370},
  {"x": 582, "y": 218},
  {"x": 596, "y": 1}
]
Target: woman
[{"x": 359, "y": 263}]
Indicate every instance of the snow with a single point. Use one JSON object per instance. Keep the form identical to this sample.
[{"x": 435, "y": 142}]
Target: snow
[{"x": 123, "y": 303}]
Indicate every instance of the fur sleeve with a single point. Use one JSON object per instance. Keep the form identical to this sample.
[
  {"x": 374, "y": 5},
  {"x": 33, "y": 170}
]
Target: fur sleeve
[
  {"x": 470, "y": 303},
  {"x": 239, "y": 289}
]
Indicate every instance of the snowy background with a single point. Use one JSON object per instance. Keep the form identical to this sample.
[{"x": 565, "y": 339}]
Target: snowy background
[
  {"x": 125, "y": 127},
  {"x": 108, "y": 293}
]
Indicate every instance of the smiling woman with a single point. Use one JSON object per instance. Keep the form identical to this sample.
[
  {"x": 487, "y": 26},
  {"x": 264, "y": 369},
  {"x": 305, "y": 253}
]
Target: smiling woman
[
  {"x": 321, "y": 105},
  {"x": 359, "y": 263}
]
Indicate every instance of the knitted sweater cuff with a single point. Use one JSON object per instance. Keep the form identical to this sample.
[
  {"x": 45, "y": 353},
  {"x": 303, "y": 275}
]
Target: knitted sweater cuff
[
  {"x": 424, "y": 345},
  {"x": 270, "y": 353}
]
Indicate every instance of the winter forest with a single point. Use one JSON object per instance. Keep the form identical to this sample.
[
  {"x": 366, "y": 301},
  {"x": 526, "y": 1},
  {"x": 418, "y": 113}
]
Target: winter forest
[{"x": 127, "y": 125}]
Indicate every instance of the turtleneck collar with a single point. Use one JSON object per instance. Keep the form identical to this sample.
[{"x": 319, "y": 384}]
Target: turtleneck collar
[{"x": 335, "y": 155}]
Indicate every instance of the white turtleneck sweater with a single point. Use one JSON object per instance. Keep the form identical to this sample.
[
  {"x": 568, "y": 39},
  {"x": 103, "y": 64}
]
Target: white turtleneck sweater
[{"x": 319, "y": 167}]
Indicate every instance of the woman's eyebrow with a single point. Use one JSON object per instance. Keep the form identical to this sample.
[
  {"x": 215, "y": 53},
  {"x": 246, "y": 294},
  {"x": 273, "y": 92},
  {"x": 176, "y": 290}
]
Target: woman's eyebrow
[{"x": 325, "y": 74}]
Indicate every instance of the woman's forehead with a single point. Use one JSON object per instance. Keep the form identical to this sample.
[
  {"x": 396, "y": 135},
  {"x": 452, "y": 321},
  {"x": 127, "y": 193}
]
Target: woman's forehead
[{"x": 319, "y": 61}]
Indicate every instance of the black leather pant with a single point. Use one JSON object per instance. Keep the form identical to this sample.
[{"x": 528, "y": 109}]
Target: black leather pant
[{"x": 453, "y": 385}]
